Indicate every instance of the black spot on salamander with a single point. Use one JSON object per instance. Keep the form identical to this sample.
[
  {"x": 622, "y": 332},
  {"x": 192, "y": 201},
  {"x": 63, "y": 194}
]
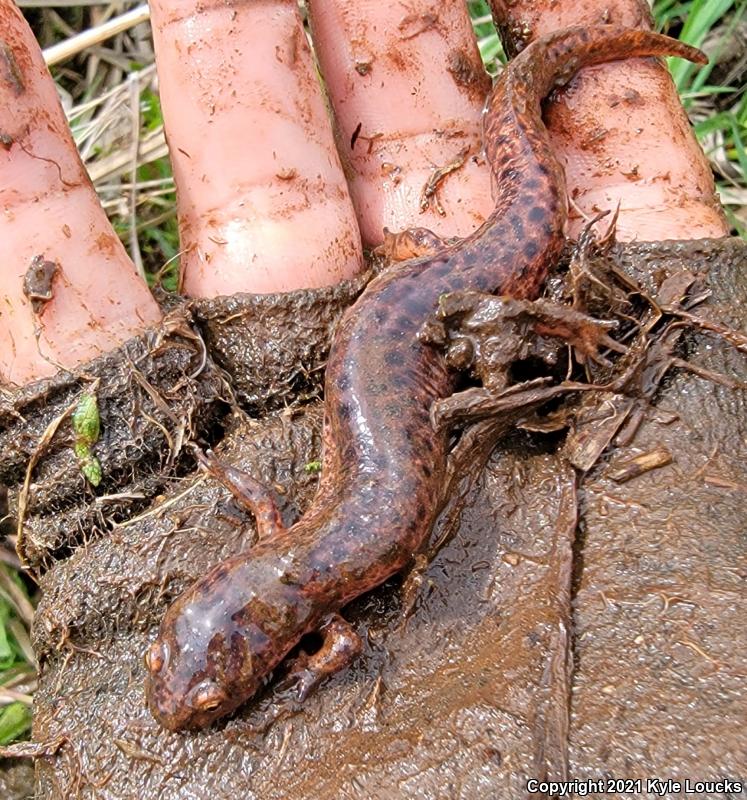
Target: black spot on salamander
[
  {"x": 381, "y": 460},
  {"x": 500, "y": 160},
  {"x": 393, "y": 408},
  {"x": 343, "y": 381},
  {"x": 439, "y": 270},
  {"x": 401, "y": 379},
  {"x": 457, "y": 283},
  {"x": 531, "y": 185},
  {"x": 549, "y": 229},
  {"x": 394, "y": 358},
  {"x": 470, "y": 259},
  {"x": 418, "y": 305},
  {"x": 379, "y": 388},
  {"x": 554, "y": 204},
  {"x": 411, "y": 431},
  {"x": 344, "y": 410},
  {"x": 517, "y": 226},
  {"x": 530, "y": 249},
  {"x": 543, "y": 168},
  {"x": 537, "y": 214},
  {"x": 420, "y": 509}
]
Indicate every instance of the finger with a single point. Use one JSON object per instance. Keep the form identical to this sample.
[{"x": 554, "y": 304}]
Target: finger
[
  {"x": 69, "y": 290},
  {"x": 262, "y": 199},
  {"x": 407, "y": 87},
  {"x": 620, "y": 130}
]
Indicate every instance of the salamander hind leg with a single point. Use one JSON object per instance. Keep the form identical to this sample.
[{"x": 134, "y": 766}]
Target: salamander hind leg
[
  {"x": 249, "y": 492},
  {"x": 340, "y": 647},
  {"x": 488, "y": 336}
]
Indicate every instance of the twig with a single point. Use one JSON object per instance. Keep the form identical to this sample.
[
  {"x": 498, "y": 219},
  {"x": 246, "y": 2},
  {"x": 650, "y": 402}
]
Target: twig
[
  {"x": 23, "y": 496},
  {"x": 71, "y": 47}
]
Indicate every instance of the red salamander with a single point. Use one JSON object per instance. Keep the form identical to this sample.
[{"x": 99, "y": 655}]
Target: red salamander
[{"x": 383, "y": 463}]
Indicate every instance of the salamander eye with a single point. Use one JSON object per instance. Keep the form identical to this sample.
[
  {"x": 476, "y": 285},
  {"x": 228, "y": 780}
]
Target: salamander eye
[
  {"x": 156, "y": 657},
  {"x": 207, "y": 696}
]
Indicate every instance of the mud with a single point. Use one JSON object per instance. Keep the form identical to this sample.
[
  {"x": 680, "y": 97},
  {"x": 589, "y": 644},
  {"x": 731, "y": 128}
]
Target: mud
[
  {"x": 572, "y": 625},
  {"x": 274, "y": 346},
  {"x": 153, "y": 394},
  {"x": 661, "y": 654},
  {"x": 16, "y": 780}
]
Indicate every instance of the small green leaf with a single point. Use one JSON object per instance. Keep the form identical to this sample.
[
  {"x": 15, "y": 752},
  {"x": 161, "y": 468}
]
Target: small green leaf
[
  {"x": 86, "y": 422},
  {"x": 15, "y": 720},
  {"x": 87, "y": 427},
  {"x": 313, "y": 467},
  {"x": 82, "y": 451},
  {"x": 91, "y": 469}
]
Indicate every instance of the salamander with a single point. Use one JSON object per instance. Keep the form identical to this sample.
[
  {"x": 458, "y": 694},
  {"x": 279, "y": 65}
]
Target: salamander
[{"x": 383, "y": 463}]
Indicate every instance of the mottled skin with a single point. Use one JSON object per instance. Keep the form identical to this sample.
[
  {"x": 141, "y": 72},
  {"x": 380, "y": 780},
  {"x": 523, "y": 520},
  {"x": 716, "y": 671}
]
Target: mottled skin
[{"x": 383, "y": 467}]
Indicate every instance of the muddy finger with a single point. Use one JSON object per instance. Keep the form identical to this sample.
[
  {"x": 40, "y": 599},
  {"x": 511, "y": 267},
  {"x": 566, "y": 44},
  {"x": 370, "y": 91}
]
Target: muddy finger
[
  {"x": 407, "y": 87},
  {"x": 620, "y": 131},
  {"x": 70, "y": 291},
  {"x": 262, "y": 199}
]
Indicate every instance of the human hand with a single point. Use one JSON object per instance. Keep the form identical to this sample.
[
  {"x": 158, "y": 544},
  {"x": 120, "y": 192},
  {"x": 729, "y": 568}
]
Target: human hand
[
  {"x": 400, "y": 188},
  {"x": 267, "y": 202}
]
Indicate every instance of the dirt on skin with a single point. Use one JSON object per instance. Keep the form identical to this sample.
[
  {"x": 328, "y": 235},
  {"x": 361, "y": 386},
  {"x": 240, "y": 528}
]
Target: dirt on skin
[{"x": 578, "y": 623}]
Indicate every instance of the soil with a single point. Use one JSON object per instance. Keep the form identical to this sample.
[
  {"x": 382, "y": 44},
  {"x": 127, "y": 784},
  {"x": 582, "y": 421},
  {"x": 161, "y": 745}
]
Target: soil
[{"x": 585, "y": 618}]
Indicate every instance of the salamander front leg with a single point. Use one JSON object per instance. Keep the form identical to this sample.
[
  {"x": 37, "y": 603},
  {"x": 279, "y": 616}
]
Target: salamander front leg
[
  {"x": 412, "y": 243},
  {"x": 250, "y": 493},
  {"x": 340, "y": 646}
]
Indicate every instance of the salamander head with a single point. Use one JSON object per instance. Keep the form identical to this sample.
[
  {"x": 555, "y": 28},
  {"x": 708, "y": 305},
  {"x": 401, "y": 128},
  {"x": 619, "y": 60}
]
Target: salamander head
[{"x": 212, "y": 653}]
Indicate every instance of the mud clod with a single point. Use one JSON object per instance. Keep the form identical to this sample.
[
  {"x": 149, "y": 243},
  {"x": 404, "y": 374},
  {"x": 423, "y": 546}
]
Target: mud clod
[
  {"x": 38, "y": 282},
  {"x": 274, "y": 346}
]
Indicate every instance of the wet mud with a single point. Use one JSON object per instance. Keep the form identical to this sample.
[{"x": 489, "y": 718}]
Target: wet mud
[
  {"x": 659, "y": 591},
  {"x": 572, "y": 625},
  {"x": 152, "y": 395},
  {"x": 16, "y": 780},
  {"x": 274, "y": 346}
]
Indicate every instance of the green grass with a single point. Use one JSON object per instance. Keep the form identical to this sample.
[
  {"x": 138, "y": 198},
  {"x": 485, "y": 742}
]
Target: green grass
[
  {"x": 717, "y": 107},
  {"x": 17, "y": 670},
  {"x": 488, "y": 40}
]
